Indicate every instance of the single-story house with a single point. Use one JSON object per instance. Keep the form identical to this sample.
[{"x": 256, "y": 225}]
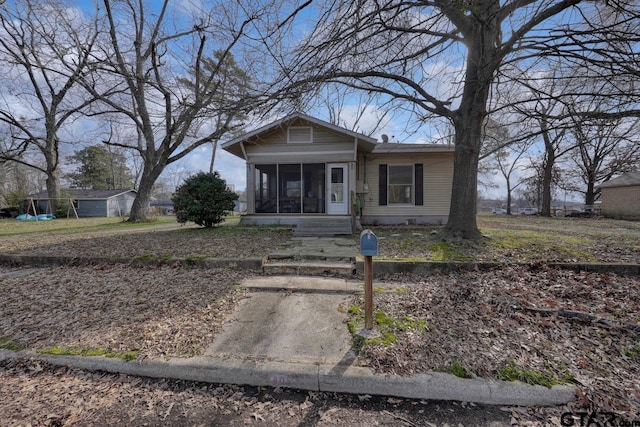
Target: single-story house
[
  {"x": 300, "y": 166},
  {"x": 89, "y": 203},
  {"x": 621, "y": 196}
]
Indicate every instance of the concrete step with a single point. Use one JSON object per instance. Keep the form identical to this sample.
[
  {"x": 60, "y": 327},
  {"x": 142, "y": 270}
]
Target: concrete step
[
  {"x": 311, "y": 268},
  {"x": 310, "y": 258},
  {"x": 328, "y": 226},
  {"x": 324, "y": 231}
]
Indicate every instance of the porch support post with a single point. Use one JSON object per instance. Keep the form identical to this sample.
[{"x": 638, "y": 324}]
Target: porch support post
[{"x": 251, "y": 190}]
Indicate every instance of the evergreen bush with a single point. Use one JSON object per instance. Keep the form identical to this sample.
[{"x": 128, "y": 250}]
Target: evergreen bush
[{"x": 204, "y": 199}]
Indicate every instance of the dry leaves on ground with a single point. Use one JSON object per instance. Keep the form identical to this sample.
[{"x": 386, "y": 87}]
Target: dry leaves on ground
[
  {"x": 36, "y": 393},
  {"x": 520, "y": 239},
  {"x": 477, "y": 320},
  {"x": 156, "y": 311},
  {"x": 161, "y": 241}
]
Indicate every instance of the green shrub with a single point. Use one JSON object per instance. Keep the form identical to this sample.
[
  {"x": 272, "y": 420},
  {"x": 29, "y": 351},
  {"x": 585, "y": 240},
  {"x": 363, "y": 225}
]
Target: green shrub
[{"x": 203, "y": 199}]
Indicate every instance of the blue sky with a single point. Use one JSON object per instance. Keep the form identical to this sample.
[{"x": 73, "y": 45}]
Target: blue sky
[{"x": 374, "y": 122}]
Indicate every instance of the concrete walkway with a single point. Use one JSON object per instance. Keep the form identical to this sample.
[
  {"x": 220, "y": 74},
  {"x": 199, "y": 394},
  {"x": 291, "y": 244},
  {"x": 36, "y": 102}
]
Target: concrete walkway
[
  {"x": 289, "y": 327},
  {"x": 291, "y": 332}
]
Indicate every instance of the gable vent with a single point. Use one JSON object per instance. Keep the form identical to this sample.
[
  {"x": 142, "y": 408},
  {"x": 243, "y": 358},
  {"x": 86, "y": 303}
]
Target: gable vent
[{"x": 300, "y": 134}]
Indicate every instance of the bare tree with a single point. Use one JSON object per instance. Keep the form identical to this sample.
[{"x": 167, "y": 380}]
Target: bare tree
[
  {"x": 46, "y": 47},
  {"x": 395, "y": 49},
  {"x": 177, "y": 98},
  {"x": 603, "y": 49},
  {"x": 535, "y": 184},
  {"x": 504, "y": 153},
  {"x": 604, "y": 148}
]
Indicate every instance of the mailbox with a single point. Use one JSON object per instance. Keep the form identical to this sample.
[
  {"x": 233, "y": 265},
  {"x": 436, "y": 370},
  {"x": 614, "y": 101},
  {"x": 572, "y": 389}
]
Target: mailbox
[{"x": 368, "y": 243}]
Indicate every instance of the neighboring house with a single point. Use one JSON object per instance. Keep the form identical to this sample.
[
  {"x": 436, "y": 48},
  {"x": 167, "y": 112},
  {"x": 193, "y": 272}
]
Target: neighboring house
[
  {"x": 89, "y": 203},
  {"x": 162, "y": 206},
  {"x": 241, "y": 203},
  {"x": 300, "y": 166},
  {"x": 621, "y": 196}
]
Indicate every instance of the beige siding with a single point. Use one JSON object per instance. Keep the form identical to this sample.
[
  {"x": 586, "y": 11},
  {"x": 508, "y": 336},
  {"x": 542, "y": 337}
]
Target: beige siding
[
  {"x": 437, "y": 181},
  {"x": 621, "y": 202},
  {"x": 326, "y": 147}
]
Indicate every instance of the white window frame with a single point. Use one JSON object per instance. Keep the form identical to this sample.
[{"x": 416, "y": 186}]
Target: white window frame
[
  {"x": 413, "y": 184},
  {"x": 299, "y": 141}
]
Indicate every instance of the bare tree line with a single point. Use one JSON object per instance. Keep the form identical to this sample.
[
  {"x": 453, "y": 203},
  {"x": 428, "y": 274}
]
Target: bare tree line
[{"x": 563, "y": 67}]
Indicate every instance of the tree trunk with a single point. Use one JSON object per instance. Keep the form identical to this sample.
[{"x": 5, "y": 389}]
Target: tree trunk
[
  {"x": 140, "y": 205},
  {"x": 53, "y": 175},
  {"x": 508, "y": 197},
  {"x": 481, "y": 40},
  {"x": 213, "y": 155},
  {"x": 53, "y": 190},
  {"x": 547, "y": 178},
  {"x": 590, "y": 195},
  {"x": 462, "y": 213}
]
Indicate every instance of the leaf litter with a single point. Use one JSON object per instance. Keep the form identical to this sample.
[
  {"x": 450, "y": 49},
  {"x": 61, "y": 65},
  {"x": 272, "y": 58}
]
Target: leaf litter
[
  {"x": 485, "y": 321},
  {"x": 479, "y": 320}
]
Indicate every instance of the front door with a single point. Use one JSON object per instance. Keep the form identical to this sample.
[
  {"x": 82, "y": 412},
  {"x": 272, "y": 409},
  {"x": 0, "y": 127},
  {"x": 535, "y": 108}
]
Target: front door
[{"x": 338, "y": 189}]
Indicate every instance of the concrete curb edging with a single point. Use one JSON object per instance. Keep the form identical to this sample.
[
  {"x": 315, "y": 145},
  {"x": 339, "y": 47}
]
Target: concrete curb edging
[
  {"x": 41, "y": 260},
  {"x": 320, "y": 377},
  {"x": 257, "y": 264},
  {"x": 431, "y": 267}
]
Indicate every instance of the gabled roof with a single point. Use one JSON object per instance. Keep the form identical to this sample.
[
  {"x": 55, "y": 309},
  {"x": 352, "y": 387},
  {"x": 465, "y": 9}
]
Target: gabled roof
[
  {"x": 625, "y": 180},
  {"x": 404, "y": 148},
  {"x": 83, "y": 194},
  {"x": 364, "y": 141}
]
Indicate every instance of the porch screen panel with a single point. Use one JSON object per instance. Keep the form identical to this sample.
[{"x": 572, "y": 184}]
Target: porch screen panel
[
  {"x": 314, "y": 187},
  {"x": 266, "y": 180},
  {"x": 290, "y": 188}
]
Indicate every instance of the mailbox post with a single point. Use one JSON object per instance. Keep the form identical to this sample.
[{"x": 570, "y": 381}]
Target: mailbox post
[{"x": 368, "y": 249}]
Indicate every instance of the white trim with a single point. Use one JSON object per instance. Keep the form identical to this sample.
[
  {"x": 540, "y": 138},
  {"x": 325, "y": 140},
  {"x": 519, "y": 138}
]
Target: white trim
[
  {"x": 343, "y": 207},
  {"x": 298, "y": 153}
]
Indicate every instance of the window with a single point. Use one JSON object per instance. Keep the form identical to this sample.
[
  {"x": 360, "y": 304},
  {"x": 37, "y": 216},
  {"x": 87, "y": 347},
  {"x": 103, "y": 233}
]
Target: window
[
  {"x": 300, "y": 135},
  {"x": 400, "y": 184}
]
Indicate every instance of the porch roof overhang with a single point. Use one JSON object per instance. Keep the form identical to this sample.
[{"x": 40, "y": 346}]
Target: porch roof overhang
[{"x": 235, "y": 146}]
